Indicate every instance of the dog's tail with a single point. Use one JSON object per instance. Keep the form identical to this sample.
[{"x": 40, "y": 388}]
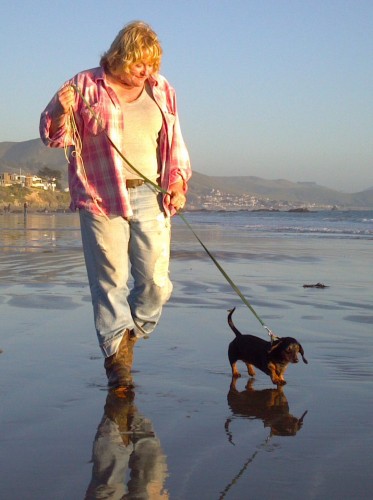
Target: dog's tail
[{"x": 231, "y": 324}]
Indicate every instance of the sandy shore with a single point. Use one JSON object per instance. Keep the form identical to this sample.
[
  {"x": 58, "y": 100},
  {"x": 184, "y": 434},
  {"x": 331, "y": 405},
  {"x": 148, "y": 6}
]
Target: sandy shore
[{"x": 186, "y": 429}]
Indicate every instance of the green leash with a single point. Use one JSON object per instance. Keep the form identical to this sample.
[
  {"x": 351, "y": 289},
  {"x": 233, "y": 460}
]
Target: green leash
[
  {"x": 161, "y": 190},
  {"x": 227, "y": 277}
]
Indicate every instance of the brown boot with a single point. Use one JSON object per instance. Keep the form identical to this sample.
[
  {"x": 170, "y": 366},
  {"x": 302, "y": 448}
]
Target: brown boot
[{"x": 118, "y": 366}]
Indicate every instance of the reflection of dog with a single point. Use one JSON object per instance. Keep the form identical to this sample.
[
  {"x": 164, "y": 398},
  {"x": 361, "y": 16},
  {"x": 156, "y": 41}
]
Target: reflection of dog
[
  {"x": 268, "y": 405},
  {"x": 270, "y": 357}
]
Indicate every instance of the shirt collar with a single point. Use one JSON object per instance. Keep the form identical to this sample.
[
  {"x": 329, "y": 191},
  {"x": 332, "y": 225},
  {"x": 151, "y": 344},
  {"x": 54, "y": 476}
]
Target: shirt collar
[{"x": 100, "y": 75}]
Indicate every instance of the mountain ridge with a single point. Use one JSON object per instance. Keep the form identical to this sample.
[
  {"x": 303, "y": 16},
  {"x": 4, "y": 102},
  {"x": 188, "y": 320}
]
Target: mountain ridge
[{"x": 32, "y": 155}]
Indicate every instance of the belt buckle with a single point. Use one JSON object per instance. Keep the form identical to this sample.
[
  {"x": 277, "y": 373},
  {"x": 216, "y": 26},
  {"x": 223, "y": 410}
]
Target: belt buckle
[{"x": 134, "y": 183}]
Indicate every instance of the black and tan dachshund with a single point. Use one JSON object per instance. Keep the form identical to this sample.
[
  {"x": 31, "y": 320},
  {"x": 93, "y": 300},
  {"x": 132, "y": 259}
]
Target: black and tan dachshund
[{"x": 271, "y": 358}]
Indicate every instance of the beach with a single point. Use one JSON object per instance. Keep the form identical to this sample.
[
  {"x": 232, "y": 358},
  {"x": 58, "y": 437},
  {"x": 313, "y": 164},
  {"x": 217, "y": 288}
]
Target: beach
[{"x": 187, "y": 432}]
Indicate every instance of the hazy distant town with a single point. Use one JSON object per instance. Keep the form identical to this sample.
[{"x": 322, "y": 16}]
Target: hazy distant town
[{"x": 217, "y": 200}]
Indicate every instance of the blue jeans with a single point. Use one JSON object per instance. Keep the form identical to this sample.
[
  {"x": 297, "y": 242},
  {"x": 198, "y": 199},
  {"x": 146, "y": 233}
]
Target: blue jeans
[{"x": 116, "y": 247}]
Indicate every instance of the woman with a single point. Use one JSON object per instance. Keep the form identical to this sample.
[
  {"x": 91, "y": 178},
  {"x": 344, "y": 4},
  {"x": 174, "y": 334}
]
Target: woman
[{"x": 126, "y": 105}]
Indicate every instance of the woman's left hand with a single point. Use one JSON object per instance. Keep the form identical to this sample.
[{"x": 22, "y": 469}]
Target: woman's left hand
[{"x": 175, "y": 199}]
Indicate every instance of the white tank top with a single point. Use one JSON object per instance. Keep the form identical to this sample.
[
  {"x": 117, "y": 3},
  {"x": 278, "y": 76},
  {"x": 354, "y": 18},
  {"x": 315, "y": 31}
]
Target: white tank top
[{"x": 142, "y": 125}]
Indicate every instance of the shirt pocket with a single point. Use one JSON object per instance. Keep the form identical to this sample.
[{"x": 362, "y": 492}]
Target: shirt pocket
[{"x": 92, "y": 117}]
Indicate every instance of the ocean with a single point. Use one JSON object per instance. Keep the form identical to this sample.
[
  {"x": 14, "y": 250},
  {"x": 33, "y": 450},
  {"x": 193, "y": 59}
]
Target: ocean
[{"x": 319, "y": 224}]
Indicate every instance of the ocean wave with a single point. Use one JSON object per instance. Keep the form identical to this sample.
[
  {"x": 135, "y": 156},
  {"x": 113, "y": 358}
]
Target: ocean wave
[
  {"x": 311, "y": 230},
  {"x": 348, "y": 224}
]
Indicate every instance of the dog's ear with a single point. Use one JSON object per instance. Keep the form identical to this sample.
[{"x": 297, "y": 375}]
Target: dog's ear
[
  {"x": 302, "y": 353},
  {"x": 276, "y": 344}
]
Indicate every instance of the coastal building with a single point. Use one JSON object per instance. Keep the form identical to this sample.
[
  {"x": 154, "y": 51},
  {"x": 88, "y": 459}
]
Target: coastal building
[{"x": 26, "y": 180}]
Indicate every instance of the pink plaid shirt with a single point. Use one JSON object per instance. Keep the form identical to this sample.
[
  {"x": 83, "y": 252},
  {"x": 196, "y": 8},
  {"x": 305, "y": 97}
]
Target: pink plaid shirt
[{"x": 101, "y": 183}]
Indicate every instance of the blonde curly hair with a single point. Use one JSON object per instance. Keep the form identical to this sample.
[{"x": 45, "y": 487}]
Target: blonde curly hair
[{"x": 135, "y": 42}]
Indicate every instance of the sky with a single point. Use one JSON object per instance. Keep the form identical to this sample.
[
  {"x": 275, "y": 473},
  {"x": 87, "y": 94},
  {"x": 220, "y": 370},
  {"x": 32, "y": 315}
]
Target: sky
[{"x": 278, "y": 89}]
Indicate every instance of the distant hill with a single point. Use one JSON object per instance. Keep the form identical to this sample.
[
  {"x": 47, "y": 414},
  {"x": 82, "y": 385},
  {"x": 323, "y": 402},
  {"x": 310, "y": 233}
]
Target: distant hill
[
  {"x": 280, "y": 190},
  {"x": 31, "y": 156}
]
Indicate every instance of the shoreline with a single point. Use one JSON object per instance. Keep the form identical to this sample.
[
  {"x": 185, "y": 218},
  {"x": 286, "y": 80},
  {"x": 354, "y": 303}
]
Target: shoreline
[
  {"x": 38, "y": 200},
  {"x": 305, "y": 210}
]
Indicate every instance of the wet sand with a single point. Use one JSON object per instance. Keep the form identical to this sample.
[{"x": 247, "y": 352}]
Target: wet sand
[{"x": 186, "y": 433}]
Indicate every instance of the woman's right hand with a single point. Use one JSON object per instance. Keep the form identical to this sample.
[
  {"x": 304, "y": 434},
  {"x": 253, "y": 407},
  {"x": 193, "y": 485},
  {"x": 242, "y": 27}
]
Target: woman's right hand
[{"x": 65, "y": 100}]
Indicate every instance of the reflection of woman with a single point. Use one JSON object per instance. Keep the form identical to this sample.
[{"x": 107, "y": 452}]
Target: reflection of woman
[{"x": 125, "y": 443}]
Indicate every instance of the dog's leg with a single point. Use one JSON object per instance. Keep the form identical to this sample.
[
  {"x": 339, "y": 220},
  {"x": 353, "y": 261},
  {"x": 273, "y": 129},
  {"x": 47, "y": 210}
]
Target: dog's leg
[
  {"x": 280, "y": 372},
  {"x": 275, "y": 377},
  {"x": 250, "y": 385},
  {"x": 278, "y": 397},
  {"x": 232, "y": 387},
  {"x": 235, "y": 372},
  {"x": 250, "y": 369}
]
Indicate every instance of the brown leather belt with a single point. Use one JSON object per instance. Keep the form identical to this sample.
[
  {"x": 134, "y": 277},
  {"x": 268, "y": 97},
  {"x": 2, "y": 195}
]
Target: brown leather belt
[{"x": 134, "y": 183}]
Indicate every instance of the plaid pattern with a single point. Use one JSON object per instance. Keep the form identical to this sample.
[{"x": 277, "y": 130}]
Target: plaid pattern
[{"x": 100, "y": 179}]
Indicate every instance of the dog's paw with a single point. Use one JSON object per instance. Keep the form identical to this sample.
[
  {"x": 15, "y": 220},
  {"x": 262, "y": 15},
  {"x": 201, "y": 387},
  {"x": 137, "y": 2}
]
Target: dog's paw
[{"x": 279, "y": 381}]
